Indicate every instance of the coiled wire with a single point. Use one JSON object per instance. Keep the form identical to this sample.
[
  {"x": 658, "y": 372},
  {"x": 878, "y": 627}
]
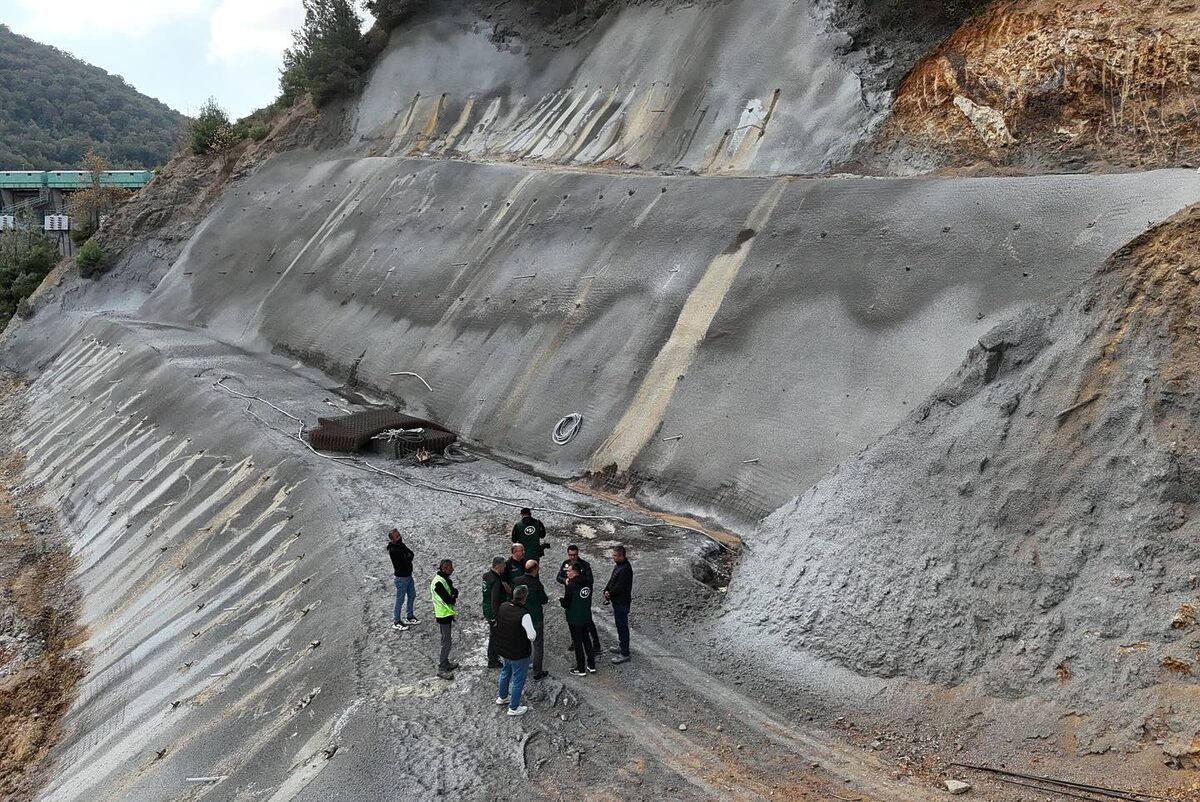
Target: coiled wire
[{"x": 566, "y": 429}]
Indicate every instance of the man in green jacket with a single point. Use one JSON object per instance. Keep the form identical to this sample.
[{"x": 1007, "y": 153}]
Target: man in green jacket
[
  {"x": 533, "y": 603},
  {"x": 445, "y": 596},
  {"x": 577, "y": 601},
  {"x": 530, "y": 533}
]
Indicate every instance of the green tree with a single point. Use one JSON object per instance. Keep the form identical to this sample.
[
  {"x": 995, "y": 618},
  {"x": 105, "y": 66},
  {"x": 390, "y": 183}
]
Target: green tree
[
  {"x": 26, "y": 257},
  {"x": 327, "y": 57},
  {"x": 211, "y": 131},
  {"x": 54, "y": 107},
  {"x": 90, "y": 259}
]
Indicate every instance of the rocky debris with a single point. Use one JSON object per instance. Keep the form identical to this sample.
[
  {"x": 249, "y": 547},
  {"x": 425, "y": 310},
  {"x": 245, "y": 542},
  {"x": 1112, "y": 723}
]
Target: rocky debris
[
  {"x": 1075, "y": 541},
  {"x": 1182, "y": 753},
  {"x": 988, "y": 122},
  {"x": 957, "y": 787}
]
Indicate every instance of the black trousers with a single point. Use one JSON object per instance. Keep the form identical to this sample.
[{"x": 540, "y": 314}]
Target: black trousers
[
  {"x": 492, "y": 655},
  {"x": 595, "y": 637},
  {"x": 583, "y": 646}
]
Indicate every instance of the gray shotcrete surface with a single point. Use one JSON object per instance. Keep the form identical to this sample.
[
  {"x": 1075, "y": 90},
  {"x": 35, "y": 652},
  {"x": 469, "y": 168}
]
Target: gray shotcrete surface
[
  {"x": 732, "y": 335},
  {"x": 522, "y": 295}
]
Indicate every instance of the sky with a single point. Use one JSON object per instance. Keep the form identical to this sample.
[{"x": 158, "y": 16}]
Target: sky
[{"x": 179, "y": 51}]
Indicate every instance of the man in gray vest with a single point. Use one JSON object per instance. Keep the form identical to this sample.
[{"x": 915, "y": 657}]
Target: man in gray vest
[{"x": 515, "y": 634}]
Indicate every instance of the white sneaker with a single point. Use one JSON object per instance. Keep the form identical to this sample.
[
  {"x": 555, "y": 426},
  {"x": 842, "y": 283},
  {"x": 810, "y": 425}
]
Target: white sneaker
[
  {"x": 520, "y": 711},
  {"x": 501, "y": 701},
  {"x": 400, "y": 627},
  {"x": 412, "y": 621}
]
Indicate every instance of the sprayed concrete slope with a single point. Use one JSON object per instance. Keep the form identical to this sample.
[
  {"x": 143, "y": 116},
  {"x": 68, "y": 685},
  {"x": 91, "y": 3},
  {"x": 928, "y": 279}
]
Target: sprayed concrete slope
[
  {"x": 237, "y": 600},
  {"x": 728, "y": 339},
  {"x": 208, "y": 582},
  {"x": 746, "y": 86},
  {"x": 789, "y": 322}
]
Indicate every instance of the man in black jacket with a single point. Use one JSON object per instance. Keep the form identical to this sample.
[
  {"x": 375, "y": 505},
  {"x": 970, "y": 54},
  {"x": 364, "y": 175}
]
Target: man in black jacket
[
  {"x": 514, "y": 638},
  {"x": 402, "y": 560},
  {"x": 585, "y": 575},
  {"x": 619, "y": 592},
  {"x": 495, "y": 591},
  {"x": 445, "y": 596},
  {"x": 530, "y": 533}
]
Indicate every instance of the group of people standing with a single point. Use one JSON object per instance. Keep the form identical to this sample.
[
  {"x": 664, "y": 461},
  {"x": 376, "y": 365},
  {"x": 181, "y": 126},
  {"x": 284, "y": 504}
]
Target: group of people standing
[{"x": 513, "y": 602}]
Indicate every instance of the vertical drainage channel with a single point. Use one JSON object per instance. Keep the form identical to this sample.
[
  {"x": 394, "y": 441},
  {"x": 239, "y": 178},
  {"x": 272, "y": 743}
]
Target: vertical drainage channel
[{"x": 645, "y": 412}]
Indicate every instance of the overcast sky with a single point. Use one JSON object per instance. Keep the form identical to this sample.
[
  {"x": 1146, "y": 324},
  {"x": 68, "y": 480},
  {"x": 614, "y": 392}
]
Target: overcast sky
[{"x": 179, "y": 51}]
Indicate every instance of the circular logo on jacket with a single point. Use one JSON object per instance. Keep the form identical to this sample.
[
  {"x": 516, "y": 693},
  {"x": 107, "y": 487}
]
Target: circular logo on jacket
[
  {"x": 485, "y": 587},
  {"x": 584, "y": 592},
  {"x": 531, "y": 530}
]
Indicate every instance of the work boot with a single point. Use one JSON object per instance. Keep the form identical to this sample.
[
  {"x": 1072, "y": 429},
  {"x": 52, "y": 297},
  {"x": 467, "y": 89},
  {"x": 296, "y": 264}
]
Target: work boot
[
  {"x": 620, "y": 658},
  {"x": 453, "y": 667},
  {"x": 445, "y": 674},
  {"x": 541, "y": 674}
]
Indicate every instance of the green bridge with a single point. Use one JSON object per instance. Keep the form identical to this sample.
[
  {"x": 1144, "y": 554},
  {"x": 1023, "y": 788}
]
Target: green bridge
[
  {"x": 32, "y": 192},
  {"x": 38, "y": 180}
]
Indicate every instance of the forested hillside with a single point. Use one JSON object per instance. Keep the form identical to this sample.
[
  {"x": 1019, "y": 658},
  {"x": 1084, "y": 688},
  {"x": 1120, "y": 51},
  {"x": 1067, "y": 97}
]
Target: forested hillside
[{"x": 53, "y": 107}]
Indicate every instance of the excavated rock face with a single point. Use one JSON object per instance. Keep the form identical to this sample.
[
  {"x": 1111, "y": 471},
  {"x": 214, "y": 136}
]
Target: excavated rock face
[
  {"x": 1031, "y": 528},
  {"x": 1037, "y": 84},
  {"x": 656, "y": 86}
]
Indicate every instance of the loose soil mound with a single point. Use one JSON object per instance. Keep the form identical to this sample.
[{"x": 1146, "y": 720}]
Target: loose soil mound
[
  {"x": 1031, "y": 530},
  {"x": 40, "y": 665},
  {"x": 1046, "y": 85}
]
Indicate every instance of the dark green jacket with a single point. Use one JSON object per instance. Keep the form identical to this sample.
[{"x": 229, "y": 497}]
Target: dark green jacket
[
  {"x": 493, "y": 594},
  {"x": 577, "y": 599},
  {"x": 513, "y": 570},
  {"x": 530, "y": 532},
  {"x": 537, "y": 597}
]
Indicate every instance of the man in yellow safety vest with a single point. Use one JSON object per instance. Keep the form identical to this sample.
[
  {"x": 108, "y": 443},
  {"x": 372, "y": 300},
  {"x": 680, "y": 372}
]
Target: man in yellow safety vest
[{"x": 444, "y": 597}]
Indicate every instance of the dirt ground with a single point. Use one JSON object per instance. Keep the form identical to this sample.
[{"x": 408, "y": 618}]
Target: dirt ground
[
  {"x": 40, "y": 659},
  {"x": 1052, "y": 85}
]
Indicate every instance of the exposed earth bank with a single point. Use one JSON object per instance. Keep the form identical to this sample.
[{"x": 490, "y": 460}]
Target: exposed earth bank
[{"x": 1051, "y": 85}]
